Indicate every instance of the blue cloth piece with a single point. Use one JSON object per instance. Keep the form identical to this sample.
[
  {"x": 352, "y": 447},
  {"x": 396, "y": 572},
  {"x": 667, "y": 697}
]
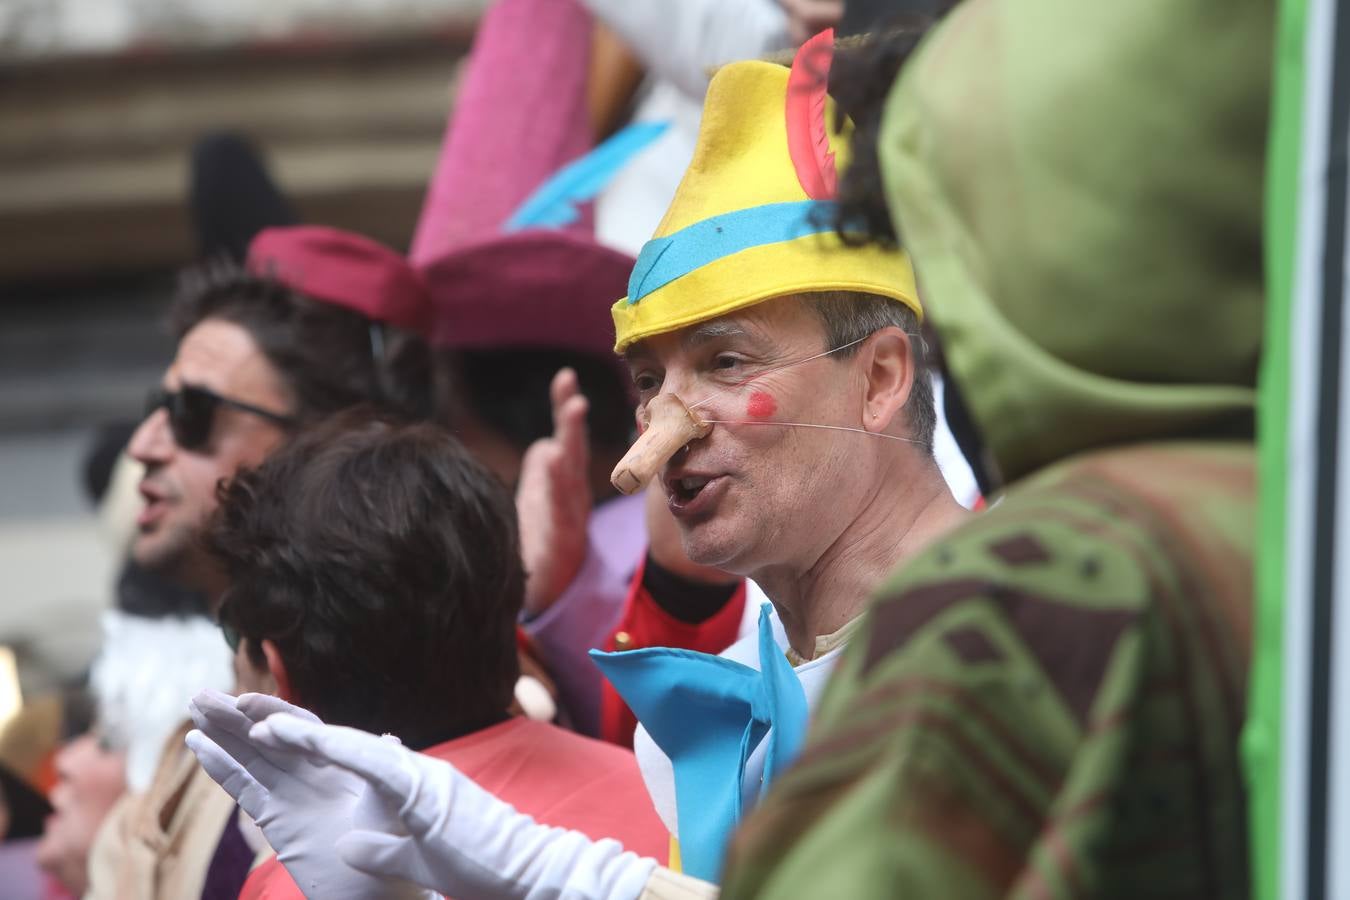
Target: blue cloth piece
[
  {"x": 666, "y": 259},
  {"x": 784, "y": 701},
  {"x": 554, "y": 203},
  {"x": 708, "y": 714}
]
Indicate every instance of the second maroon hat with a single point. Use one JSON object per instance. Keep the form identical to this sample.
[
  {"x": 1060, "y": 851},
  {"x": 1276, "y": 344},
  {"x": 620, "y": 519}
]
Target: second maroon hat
[
  {"x": 345, "y": 269},
  {"x": 527, "y": 289}
]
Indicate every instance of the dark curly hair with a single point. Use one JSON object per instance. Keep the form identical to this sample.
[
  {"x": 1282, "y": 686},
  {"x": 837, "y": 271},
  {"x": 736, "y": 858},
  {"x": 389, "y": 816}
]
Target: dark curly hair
[
  {"x": 508, "y": 389},
  {"x": 383, "y": 561},
  {"x": 331, "y": 357},
  {"x": 861, "y": 77}
]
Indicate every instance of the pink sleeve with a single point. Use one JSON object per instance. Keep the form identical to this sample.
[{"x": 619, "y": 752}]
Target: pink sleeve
[
  {"x": 520, "y": 114},
  {"x": 586, "y": 613}
]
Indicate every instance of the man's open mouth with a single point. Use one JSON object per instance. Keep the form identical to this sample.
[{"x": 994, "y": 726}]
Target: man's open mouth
[
  {"x": 694, "y": 494},
  {"x": 684, "y": 490}
]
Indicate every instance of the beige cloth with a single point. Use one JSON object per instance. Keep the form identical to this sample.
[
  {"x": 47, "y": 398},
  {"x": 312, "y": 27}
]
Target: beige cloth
[
  {"x": 158, "y": 845},
  {"x": 667, "y": 885},
  {"x": 826, "y": 642}
]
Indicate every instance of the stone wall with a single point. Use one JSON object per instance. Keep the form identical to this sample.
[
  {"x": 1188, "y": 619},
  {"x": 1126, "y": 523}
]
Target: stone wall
[
  {"x": 94, "y": 146},
  {"x": 61, "y": 27}
]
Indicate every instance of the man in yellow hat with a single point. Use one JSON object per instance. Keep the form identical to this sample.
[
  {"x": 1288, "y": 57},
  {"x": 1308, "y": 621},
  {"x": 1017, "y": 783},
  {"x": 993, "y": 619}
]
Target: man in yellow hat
[
  {"x": 799, "y": 360},
  {"x": 748, "y": 306}
]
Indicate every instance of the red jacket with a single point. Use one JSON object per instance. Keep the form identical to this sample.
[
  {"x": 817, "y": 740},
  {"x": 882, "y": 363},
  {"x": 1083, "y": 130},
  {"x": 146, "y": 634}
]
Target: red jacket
[{"x": 645, "y": 624}]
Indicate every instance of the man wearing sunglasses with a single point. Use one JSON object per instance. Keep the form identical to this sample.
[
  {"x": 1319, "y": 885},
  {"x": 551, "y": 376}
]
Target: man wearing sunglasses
[
  {"x": 316, "y": 322},
  {"x": 294, "y": 338},
  {"x": 192, "y": 412},
  {"x": 224, "y": 406}
]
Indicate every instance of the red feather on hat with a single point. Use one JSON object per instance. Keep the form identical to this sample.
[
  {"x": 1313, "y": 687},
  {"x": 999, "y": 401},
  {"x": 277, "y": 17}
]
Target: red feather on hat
[{"x": 808, "y": 137}]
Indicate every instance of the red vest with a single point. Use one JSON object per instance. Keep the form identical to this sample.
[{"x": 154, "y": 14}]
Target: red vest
[
  {"x": 555, "y": 776},
  {"x": 645, "y": 624}
]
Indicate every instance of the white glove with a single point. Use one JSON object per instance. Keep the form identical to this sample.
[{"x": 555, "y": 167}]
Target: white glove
[
  {"x": 450, "y": 834},
  {"x": 301, "y": 808}
]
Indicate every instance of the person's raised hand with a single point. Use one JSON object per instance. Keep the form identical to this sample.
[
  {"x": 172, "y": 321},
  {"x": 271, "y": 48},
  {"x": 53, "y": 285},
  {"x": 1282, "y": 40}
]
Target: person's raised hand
[
  {"x": 553, "y": 498},
  {"x": 302, "y": 809},
  {"x": 424, "y": 821}
]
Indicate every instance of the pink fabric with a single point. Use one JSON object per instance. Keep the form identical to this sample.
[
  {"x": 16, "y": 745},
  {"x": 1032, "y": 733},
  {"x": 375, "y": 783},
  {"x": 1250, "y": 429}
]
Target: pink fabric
[
  {"x": 557, "y": 777},
  {"x": 521, "y": 113},
  {"x": 344, "y": 269}
]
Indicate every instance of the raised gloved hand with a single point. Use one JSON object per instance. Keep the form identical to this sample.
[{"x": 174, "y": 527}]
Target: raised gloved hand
[
  {"x": 447, "y": 832},
  {"x": 302, "y": 808}
]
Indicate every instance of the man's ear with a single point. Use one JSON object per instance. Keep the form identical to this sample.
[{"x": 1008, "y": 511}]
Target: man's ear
[
  {"x": 276, "y": 667},
  {"x": 888, "y": 367}
]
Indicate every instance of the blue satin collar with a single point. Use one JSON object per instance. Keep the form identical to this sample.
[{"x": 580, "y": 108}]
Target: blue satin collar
[{"x": 709, "y": 714}]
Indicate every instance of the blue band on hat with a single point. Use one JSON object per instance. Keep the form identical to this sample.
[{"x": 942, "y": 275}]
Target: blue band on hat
[{"x": 666, "y": 259}]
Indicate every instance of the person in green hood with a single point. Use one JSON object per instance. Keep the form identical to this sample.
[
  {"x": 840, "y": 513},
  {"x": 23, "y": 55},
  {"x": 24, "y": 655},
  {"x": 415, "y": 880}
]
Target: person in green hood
[{"x": 1047, "y": 702}]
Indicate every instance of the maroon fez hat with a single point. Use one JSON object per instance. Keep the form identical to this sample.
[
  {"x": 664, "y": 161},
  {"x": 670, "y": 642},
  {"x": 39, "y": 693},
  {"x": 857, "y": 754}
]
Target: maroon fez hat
[
  {"x": 528, "y": 289},
  {"x": 345, "y": 269}
]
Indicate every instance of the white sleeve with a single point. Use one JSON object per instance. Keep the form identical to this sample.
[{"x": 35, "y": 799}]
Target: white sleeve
[
  {"x": 681, "y": 40},
  {"x": 659, "y": 775}
]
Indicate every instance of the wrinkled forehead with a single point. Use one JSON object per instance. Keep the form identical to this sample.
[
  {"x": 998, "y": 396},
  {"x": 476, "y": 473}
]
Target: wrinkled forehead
[{"x": 782, "y": 324}]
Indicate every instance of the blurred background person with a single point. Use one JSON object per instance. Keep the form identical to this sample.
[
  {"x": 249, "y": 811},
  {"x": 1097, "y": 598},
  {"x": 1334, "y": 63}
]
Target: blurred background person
[
  {"x": 94, "y": 158},
  {"x": 316, "y": 321},
  {"x": 677, "y": 47},
  {"x": 92, "y": 177},
  {"x": 24, "y": 812},
  {"x": 90, "y": 781}
]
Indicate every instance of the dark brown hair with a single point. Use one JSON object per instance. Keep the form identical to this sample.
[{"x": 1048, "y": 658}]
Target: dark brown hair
[
  {"x": 508, "y": 390},
  {"x": 331, "y": 357},
  {"x": 861, "y": 77},
  {"x": 384, "y": 563}
]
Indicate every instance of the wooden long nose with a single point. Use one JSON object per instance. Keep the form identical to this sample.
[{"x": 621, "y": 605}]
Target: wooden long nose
[{"x": 670, "y": 425}]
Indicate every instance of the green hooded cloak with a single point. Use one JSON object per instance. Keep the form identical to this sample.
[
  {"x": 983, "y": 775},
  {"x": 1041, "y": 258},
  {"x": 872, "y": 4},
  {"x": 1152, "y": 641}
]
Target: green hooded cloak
[{"x": 1047, "y": 703}]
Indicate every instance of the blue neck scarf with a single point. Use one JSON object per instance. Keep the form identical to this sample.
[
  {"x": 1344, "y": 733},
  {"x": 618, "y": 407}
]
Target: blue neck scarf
[{"x": 709, "y": 714}]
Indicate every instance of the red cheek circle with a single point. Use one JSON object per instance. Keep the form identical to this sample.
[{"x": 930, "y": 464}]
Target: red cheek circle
[{"x": 761, "y": 405}]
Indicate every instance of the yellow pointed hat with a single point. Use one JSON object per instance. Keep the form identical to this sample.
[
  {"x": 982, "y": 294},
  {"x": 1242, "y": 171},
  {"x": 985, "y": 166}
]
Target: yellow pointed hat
[{"x": 746, "y": 223}]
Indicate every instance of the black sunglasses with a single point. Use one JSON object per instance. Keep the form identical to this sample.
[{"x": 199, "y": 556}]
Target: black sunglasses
[{"x": 192, "y": 411}]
